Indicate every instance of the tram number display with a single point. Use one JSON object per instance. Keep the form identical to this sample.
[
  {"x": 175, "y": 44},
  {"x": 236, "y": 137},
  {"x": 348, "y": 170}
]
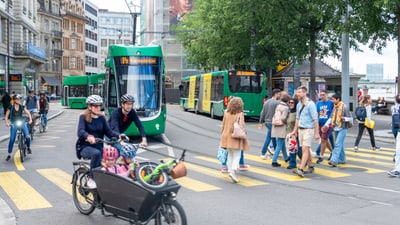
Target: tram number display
[
  {"x": 243, "y": 73},
  {"x": 135, "y": 60}
]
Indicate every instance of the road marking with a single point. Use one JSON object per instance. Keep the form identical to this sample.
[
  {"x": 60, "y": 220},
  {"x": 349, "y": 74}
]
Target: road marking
[
  {"x": 58, "y": 177},
  {"x": 24, "y": 196},
  {"x": 383, "y": 151},
  {"x": 370, "y": 161},
  {"x": 371, "y": 155},
  {"x": 262, "y": 171},
  {"x": 367, "y": 169},
  {"x": 17, "y": 160},
  {"x": 196, "y": 185},
  {"x": 243, "y": 180}
]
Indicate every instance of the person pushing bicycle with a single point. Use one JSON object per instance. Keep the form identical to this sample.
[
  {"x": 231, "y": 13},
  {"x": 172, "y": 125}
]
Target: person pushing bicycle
[
  {"x": 14, "y": 113},
  {"x": 122, "y": 117}
]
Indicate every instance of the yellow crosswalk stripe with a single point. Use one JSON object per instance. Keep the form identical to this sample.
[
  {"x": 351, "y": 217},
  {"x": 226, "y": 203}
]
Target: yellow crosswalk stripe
[
  {"x": 58, "y": 177},
  {"x": 371, "y": 162},
  {"x": 371, "y": 154},
  {"x": 23, "y": 195},
  {"x": 386, "y": 151},
  {"x": 318, "y": 170},
  {"x": 262, "y": 171},
  {"x": 17, "y": 160},
  {"x": 367, "y": 169},
  {"x": 243, "y": 180},
  {"x": 196, "y": 185}
]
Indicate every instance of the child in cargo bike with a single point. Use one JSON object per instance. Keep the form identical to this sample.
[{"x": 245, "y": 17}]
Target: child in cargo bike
[
  {"x": 127, "y": 161},
  {"x": 110, "y": 156}
]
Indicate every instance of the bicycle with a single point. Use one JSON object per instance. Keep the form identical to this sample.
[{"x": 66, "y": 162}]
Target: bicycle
[
  {"x": 156, "y": 176},
  {"x": 31, "y": 127},
  {"x": 132, "y": 202},
  {"x": 21, "y": 139}
]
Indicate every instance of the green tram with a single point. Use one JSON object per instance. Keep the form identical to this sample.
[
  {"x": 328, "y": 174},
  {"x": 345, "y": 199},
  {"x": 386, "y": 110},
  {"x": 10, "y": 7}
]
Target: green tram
[
  {"x": 78, "y": 88},
  {"x": 208, "y": 93},
  {"x": 138, "y": 71}
]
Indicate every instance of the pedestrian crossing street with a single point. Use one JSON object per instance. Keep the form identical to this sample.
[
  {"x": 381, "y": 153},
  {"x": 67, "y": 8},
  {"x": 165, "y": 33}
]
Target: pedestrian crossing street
[{"x": 203, "y": 175}]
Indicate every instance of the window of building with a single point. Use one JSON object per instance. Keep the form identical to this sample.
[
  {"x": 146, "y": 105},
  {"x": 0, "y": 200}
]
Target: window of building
[
  {"x": 103, "y": 42},
  {"x": 72, "y": 62},
  {"x": 73, "y": 43}
]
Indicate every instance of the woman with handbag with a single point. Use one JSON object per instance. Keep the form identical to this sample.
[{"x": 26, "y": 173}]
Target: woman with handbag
[
  {"x": 279, "y": 125},
  {"x": 230, "y": 141},
  {"x": 366, "y": 102}
]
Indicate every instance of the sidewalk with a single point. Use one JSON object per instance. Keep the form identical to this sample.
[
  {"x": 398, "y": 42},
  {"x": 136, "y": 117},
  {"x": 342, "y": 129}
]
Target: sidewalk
[{"x": 7, "y": 216}]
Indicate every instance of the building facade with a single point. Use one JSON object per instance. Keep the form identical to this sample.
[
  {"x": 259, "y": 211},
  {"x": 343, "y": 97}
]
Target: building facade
[
  {"x": 49, "y": 23},
  {"x": 114, "y": 28},
  {"x": 74, "y": 20},
  {"x": 92, "y": 40},
  {"x": 21, "y": 58}
]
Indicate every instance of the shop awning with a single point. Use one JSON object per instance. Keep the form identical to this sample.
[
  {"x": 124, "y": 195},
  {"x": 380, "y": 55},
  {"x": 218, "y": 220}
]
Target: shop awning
[{"x": 51, "y": 81}]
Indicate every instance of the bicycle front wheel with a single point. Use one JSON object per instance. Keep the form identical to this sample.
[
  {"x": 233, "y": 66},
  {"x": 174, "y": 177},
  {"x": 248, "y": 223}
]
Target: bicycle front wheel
[
  {"x": 84, "y": 198},
  {"x": 171, "y": 213},
  {"x": 156, "y": 181}
]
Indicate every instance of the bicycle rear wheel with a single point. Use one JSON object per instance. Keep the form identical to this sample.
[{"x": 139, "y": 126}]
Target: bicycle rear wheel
[
  {"x": 171, "y": 213},
  {"x": 156, "y": 181},
  {"x": 84, "y": 198},
  {"x": 22, "y": 151}
]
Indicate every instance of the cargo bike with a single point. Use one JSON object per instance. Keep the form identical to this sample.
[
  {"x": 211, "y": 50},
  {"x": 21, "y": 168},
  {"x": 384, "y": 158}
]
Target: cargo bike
[{"x": 150, "y": 195}]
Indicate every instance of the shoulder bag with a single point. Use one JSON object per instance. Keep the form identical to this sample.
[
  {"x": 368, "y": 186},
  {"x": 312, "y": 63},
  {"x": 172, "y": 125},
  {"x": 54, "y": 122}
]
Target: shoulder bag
[{"x": 238, "y": 130}]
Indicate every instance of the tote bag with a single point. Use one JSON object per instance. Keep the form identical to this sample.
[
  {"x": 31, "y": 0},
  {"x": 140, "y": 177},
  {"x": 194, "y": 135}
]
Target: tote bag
[
  {"x": 238, "y": 130},
  {"x": 369, "y": 123}
]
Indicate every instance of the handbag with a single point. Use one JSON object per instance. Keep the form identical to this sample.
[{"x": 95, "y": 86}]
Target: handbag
[
  {"x": 222, "y": 155},
  {"x": 238, "y": 130},
  {"x": 369, "y": 123}
]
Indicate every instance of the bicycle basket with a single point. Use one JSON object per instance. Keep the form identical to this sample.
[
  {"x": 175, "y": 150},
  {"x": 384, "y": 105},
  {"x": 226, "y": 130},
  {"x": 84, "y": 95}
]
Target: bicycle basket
[{"x": 178, "y": 171}]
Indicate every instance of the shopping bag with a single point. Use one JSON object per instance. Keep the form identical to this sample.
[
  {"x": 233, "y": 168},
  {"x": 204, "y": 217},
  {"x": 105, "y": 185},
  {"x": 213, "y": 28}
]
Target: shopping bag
[
  {"x": 222, "y": 155},
  {"x": 369, "y": 123}
]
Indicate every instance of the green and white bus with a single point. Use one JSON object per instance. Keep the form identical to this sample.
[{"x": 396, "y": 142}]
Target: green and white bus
[{"x": 208, "y": 93}]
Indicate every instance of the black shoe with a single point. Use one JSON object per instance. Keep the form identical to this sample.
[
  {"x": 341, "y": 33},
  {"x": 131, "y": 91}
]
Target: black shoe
[
  {"x": 310, "y": 169},
  {"x": 290, "y": 167},
  {"x": 29, "y": 151},
  {"x": 287, "y": 159},
  {"x": 274, "y": 164},
  {"x": 330, "y": 156},
  {"x": 8, "y": 158},
  {"x": 319, "y": 160}
]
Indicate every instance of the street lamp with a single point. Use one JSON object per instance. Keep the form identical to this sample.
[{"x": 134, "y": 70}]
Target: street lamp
[{"x": 134, "y": 12}]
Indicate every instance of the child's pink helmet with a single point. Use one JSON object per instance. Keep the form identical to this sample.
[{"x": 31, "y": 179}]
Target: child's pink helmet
[{"x": 110, "y": 153}]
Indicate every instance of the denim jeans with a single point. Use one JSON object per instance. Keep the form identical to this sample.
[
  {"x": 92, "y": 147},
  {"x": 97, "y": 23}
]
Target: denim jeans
[
  {"x": 394, "y": 131},
  {"x": 338, "y": 154},
  {"x": 280, "y": 145},
  {"x": 94, "y": 155},
  {"x": 268, "y": 139},
  {"x": 13, "y": 135},
  {"x": 331, "y": 141}
]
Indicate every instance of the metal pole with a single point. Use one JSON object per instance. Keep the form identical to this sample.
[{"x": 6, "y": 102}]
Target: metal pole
[
  {"x": 6, "y": 81},
  {"x": 134, "y": 28},
  {"x": 345, "y": 63}
]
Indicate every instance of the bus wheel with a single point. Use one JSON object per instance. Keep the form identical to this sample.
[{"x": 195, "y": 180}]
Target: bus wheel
[{"x": 212, "y": 115}]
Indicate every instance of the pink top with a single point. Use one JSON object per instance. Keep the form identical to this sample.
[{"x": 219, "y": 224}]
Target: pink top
[{"x": 117, "y": 169}]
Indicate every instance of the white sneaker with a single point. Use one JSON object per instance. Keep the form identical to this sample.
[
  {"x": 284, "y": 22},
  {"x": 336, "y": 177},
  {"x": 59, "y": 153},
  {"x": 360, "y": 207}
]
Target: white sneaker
[
  {"x": 91, "y": 184},
  {"x": 233, "y": 177},
  {"x": 264, "y": 156}
]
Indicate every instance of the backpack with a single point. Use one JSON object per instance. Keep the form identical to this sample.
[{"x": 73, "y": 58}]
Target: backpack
[
  {"x": 361, "y": 113},
  {"x": 396, "y": 118}
]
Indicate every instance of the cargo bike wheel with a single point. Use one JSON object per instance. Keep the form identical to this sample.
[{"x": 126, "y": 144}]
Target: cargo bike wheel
[
  {"x": 171, "y": 212},
  {"x": 147, "y": 176},
  {"x": 84, "y": 198}
]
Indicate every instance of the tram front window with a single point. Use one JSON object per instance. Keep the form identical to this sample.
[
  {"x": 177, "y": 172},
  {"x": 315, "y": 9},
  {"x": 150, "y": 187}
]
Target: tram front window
[
  {"x": 143, "y": 83},
  {"x": 246, "y": 84}
]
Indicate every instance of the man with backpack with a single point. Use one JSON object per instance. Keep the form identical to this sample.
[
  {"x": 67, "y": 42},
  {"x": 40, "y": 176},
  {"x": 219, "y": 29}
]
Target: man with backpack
[{"x": 32, "y": 105}]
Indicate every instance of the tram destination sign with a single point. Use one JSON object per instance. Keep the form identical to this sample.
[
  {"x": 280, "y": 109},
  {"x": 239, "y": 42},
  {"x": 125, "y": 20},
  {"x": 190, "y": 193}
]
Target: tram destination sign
[
  {"x": 136, "y": 60},
  {"x": 15, "y": 77}
]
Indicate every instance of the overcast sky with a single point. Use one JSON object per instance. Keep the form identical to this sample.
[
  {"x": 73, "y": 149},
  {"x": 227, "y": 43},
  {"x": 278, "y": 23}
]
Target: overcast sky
[{"x": 358, "y": 60}]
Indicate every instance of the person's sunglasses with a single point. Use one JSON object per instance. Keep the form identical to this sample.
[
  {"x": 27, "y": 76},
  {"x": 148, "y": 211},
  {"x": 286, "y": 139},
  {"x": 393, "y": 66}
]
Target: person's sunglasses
[{"x": 96, "y": 106}]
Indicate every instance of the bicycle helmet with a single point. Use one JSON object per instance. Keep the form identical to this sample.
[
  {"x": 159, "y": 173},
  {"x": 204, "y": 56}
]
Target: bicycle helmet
[
  {"x": 110, "y": 153},
  {"x": 17, "y": 96},
  {"x": 128, "y": 151},
  {"x": 94, "y": 99},
  {"x": 127, "y": 98}
]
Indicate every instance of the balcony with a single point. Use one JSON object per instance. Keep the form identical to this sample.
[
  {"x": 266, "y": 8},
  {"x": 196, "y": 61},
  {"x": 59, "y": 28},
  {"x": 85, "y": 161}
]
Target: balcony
[
  {"x": 27, "y": 49},
  {"x": 57, "y": 53},
  {"x": 56, "y": 33}
]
